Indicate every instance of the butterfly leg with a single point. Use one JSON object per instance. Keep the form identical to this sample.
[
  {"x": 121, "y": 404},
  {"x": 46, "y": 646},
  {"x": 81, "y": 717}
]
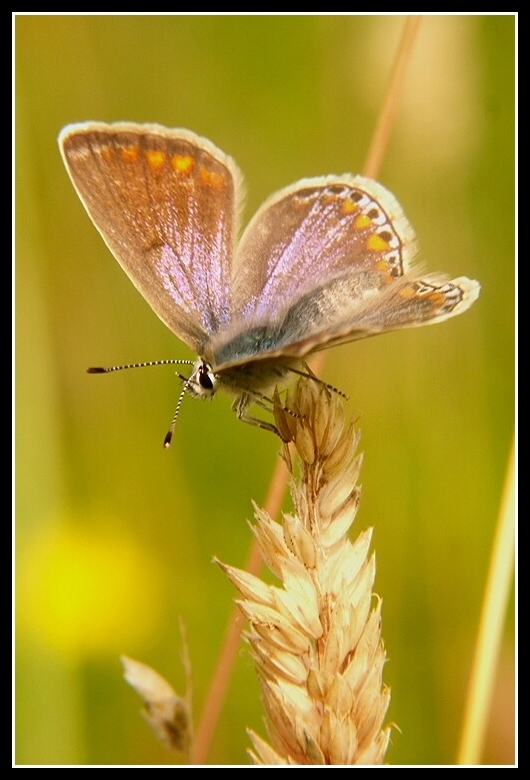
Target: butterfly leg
[
  {"x": 242, "y": 402},
  {"x": 240, "y": 406}
]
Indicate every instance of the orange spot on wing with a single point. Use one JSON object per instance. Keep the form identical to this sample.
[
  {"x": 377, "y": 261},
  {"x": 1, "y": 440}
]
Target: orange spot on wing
[
  {"x": 382, "y": 266},
  {"x": 129, "y": 153},
  {"x": 211, "y": 178},
  {"x": 183, "y": 164},
  {"x": 437, "y": 299},
  {"x": 386, "y": 269},
  {"x": 408, "y": 292},
  {"x": 362, "y": 221},
  {"x": 155, "y": 157},
  {"x": 349, "y": 206},
  {"x": 377, "y": 244},
  {"x": 326, "y": 198}
]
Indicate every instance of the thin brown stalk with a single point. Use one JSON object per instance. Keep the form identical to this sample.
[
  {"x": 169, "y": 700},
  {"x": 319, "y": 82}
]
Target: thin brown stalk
[{"x": 392, "y": 101}]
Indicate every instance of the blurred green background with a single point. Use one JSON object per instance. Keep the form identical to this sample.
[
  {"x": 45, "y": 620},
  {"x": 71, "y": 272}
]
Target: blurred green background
[{"x": 115, "y": 535}]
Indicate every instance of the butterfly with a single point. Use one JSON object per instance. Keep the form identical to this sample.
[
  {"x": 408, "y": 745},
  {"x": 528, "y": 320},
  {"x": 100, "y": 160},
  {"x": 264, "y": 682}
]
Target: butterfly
[{"x": 324, "y": 261}]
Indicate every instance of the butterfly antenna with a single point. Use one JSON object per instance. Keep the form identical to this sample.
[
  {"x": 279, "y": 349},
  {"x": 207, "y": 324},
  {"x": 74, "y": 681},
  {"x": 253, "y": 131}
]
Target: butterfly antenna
[
  {"x": 110, "y": 369},
  {"x": 310, "y": 375},
  {"x": 169, "y": 434}
]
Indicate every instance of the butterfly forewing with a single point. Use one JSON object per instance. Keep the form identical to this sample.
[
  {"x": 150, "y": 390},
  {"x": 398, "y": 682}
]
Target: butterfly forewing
[{"x": 177, "y": 243}]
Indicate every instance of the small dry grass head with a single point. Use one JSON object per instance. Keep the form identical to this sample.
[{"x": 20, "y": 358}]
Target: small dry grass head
[{"x": 316, "y": 637}]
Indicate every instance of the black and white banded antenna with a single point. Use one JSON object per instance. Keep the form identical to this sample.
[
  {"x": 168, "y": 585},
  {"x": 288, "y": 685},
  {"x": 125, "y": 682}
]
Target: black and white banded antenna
[
  {"x": 311, "y": 375},
  {"x": 171, "y": 431},
  {"x": 167, "y": 362}
]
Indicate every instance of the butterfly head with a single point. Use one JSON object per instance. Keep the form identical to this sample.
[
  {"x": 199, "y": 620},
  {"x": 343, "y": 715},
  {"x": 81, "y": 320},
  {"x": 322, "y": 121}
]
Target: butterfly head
[{"x": 202, "y": 382}]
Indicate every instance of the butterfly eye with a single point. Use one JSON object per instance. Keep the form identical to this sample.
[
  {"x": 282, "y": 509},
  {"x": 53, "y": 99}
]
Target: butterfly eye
[{"x": 205, "y": 377}]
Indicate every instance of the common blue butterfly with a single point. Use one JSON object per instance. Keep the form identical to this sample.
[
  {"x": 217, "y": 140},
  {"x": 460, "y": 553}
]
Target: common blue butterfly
[{"x": 324, "y": 261}]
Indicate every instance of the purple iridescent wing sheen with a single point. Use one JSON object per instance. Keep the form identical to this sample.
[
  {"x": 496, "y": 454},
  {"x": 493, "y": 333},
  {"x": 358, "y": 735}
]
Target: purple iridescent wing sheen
[
  {"x": 165, "y": 202},
  {"x": 310, "y": 233},
  {"x": 326, "y": 261}
]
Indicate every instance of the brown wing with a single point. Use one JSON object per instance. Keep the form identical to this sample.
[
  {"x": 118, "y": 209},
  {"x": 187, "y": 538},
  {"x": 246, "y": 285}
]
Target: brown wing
[{"x": 165, "y": 202}]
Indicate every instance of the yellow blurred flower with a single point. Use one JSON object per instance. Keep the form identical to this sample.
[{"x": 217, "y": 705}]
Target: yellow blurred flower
[{"x": 88, "y": 590}]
